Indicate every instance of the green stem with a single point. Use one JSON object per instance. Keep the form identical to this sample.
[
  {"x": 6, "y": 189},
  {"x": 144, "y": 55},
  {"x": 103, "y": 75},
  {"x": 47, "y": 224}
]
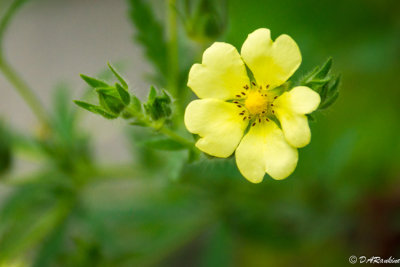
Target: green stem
[
  {"x": 176, "y": 137},
  {"x": 24, "y": 90},
  {"x": 173, "y": 63},
  {"x": 160, "y": 128},
  {"x": 11, "y": 75}
]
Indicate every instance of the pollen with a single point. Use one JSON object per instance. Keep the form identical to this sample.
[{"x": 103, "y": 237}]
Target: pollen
[{"x": 256, "y": 103}]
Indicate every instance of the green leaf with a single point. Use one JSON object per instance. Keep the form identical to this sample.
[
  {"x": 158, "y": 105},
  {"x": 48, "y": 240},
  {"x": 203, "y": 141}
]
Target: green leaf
[
  {"x": 107, "y": 90},
  {"x": 119, "y": 77},
  {"x": 95, "y": 109},
  {"x": 149, "y": 33},
  {"x": 329, "y": 101},
  {"x": 166, "y": 96},
  {"x": 93, "y": 82},
  {"x": 317, "y": 82},
  {"x": 324, "y": 83},
  {"x": 158, "y": 106},
  {"x": 219, "y": 248},
  {"x": 138, "y": 123},
  {"x": 125, "y": 97},
  {"x": 152, "y": 94},
  {"x": 111, "y": 103},
  {"x": 334, "y": 85},
  {"x": 324, "y": 69},
  {"x": 164, "y": 144},
  {"x": 318, "y": 75},
  {"x": 136, "y": 104},
  {"x": 26, "y": 234},
  {"x": 51, "y": 245}
]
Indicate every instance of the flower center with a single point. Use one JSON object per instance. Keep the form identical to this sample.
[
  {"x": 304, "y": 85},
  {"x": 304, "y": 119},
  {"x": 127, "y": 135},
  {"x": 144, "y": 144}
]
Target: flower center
[{"x": 256, "y": 102}]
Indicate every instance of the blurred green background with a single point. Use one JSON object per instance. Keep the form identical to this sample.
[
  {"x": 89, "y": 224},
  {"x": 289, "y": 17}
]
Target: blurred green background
[{"x": 78, "y": 205}]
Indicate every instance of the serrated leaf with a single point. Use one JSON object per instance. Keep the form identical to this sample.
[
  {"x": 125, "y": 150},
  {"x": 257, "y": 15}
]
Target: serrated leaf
[
  {"x": 95, "y": 109},
  {"x": 119, "y": 77},
  {"x": 93, "y": 82},
  {"x": 125, "y": 97},
  {"x": 149, "y": 33},
  {"x": 164, "y": 144}
]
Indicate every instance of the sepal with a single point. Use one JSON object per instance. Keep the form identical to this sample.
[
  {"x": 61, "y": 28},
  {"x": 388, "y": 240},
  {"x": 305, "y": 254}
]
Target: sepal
[
  {"x": 322, "y": 81},
  {"x": 158, "y": 104}
]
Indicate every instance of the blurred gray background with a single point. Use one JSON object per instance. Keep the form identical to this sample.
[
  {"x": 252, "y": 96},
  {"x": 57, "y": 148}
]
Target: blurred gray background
[{"x": 53, "y": 41}]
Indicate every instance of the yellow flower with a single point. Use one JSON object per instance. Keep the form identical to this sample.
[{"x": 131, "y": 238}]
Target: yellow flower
[{"x": 234, "y": 113}]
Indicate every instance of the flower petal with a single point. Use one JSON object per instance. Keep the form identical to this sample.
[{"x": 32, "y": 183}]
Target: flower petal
[
  {"x": 218, "y": 123},
  {"x": 272, "y": 63},
  {"x": 290, "y": 108},
  {"x": 295, "y": 128},
  {"x": 301, "y": 100},
  {"x": 264, "y": 149},
  {"x": 221, "y": 75}
]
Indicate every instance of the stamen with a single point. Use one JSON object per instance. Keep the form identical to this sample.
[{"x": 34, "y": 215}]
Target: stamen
[
  {"x": 244, "y": 117},
  {"x": 259, "y": 120},
  {"x": 253, "y": 124},
  {"x": 272, "y": 105},
  {"x": 273, "y": 111},
  {"x": 266, "y": 119},
  {"x": 239, "y": 106},
  {"x": 275, "y": 97},
  {"x": 267, "y": 86},
  {"x": 246, "y": 87},
  {"x": 243, "y": 93},
  {"x": 238, "y": 96},
  {"x": 253, "y": 83},
  {"x": 236, "y": 102}
]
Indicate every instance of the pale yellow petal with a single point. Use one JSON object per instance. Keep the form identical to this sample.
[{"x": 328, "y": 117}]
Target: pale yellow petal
[
  {"x": 301, "y": 100},
  {"x": 295, "y": 128},
  {"x": 290, "y": 108},
  {"x": 218, "y": 123},
  {"x": 264, "y": 149},
  {"x": 272, "y": 63},
  {"x": 222, "y": 74}
]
